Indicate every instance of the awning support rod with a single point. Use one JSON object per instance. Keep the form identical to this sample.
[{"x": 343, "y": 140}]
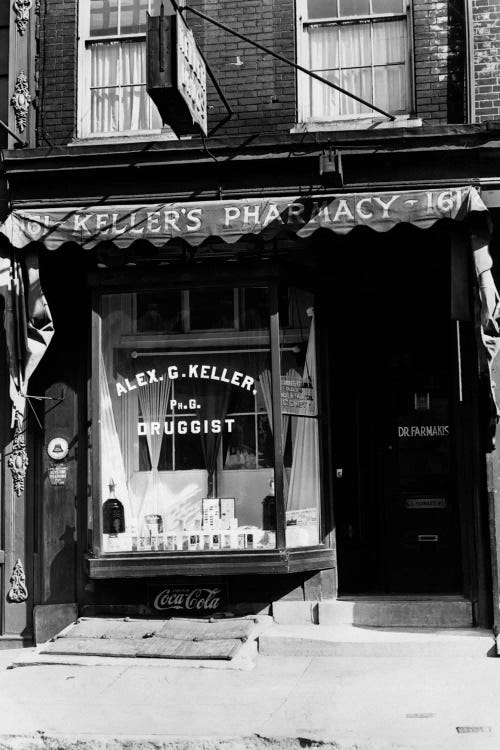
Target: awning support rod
[{"x": 282, "y": 59}]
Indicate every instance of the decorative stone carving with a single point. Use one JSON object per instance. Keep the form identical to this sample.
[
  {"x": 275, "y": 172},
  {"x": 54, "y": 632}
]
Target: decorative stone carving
[
  {"x": 20, "y": 100},
  {"x": 22, "y": 10},
  {"x": 18, "y": 459},
  {"x": 18, "y": 591}
]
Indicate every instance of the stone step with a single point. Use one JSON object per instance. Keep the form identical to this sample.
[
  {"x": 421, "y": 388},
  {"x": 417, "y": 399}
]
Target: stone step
[
  {"x": 345, "y": 640},
  {"x": 405, "y": 611},
  {"x": 397, "y": 612}
]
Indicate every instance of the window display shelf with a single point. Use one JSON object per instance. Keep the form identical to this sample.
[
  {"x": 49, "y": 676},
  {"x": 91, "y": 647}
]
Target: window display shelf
[{"x": 208, "y": 564}]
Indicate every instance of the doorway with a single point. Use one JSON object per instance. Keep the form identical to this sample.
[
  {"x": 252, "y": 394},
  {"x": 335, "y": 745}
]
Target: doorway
[{"x": 393, "y": 393}]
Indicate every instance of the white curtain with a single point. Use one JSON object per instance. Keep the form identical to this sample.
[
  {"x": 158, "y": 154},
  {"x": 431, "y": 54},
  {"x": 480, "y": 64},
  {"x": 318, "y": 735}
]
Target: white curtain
[
  {"x": 112, "y": 466},
  {"x": 324, "y": 60},
  {"x": 355, "y": 61},
  {"x": 265, "y": 382},
  {"x": 304, "y": 489},
  {"x": 153, "y": 400},
  {"x": 134, "y": 98},
  {"x": 389, "y": 55},
  {"x": 118, "y": 94},
  {"x": 104, "y": 102},
  {"x": 367, "y": 59}
]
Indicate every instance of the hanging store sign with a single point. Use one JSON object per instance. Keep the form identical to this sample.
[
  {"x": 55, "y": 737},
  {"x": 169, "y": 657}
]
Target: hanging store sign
[
  {"x": 191, "y": 73},
  {"x": 176, "y": 74},
  {"x": 230, "y": 220}
]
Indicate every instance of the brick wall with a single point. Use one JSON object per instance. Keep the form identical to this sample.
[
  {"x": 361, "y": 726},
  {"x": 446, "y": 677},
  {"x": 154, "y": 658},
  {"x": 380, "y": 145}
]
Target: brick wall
[
  {"x": 57, "y": 72},
  {"x": 486, "y": 22},
  {"x": 439, "y": 51},
  {"x": 260, "y": 89}
]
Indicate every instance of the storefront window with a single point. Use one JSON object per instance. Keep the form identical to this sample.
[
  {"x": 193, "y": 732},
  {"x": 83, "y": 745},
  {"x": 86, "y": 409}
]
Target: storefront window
[{"x": 187, "y": 450}]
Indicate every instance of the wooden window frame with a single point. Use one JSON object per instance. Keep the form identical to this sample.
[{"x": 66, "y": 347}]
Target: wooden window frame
[
  {"x": 85, "y": 41},
  {"x": 99, "y": 564},
  {"x": 304, "y": 82}
]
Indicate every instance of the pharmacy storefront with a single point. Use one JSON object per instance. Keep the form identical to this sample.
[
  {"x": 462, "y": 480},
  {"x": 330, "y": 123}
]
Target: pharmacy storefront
[{"x": 236, "y": 381}]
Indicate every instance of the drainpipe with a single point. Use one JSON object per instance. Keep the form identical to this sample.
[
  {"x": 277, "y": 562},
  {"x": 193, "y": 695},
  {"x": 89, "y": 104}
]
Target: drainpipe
[{"x": 470, "y": 67}]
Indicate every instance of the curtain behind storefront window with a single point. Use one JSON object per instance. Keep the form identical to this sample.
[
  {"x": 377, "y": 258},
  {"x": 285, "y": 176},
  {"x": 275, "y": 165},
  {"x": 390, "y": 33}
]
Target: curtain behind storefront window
[
  {"x": 113, "y": 468},
  {"x": 153, "y": 400},
  {"x": 304, "y": 478},
  {"x": 266, "y": 386}
]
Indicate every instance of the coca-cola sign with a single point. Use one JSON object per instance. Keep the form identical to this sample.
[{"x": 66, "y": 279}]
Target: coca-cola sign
[{"x": 193, "y": 600}]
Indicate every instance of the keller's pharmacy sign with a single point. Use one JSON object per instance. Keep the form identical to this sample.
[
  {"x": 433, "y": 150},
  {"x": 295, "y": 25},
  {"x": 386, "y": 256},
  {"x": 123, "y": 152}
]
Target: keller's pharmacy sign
[
  {"x": 176, "y": 78},
  {"x": 230, "y": 220},
  {"x": 191, "y": 74}
]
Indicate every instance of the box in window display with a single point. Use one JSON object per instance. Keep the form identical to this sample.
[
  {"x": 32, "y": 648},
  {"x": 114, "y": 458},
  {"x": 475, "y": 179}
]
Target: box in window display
[
  {"x": 227, "y": 510},
  {"x": 211, "y": 512},
  {"x": 170, "y": 542}
]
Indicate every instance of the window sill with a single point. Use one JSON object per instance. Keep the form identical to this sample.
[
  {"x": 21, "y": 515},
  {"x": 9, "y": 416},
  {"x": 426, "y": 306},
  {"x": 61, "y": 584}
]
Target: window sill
[
  {"x": 139, "y": 137},
  {"x": 197, "y": 564},
  {"x": 372, "y": 123}
]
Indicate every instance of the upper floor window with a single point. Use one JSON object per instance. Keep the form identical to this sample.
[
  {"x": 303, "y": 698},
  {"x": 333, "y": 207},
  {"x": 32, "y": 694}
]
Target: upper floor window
[
  {"x": 112, "y": 95},
  {"x": 361, "y": 45}
]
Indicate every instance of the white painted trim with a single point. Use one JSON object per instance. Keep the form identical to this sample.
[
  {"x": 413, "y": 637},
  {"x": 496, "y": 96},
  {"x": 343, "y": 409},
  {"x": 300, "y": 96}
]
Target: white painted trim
[
  {"x": 470, "y": 63},
  {"x": 83, "y": 104},
  {"x": 365, "y": 123}
]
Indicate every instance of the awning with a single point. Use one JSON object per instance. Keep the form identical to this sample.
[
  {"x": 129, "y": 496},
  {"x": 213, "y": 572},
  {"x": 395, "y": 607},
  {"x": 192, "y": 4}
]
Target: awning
[
  {"x": 230, "y": 220},
  {"x": 28, "y": 321}
]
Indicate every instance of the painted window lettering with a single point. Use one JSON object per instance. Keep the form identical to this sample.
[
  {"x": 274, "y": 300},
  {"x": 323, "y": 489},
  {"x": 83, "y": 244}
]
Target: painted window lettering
[
  {"x": 193, "y": 371},
  {"x": 409, "y": 431}
]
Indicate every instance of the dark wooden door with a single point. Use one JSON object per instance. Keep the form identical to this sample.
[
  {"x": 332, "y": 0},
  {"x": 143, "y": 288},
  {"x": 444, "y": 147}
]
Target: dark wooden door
[
  {"x": 417, "y": 478},
  {"x": 394, "y": 420}
]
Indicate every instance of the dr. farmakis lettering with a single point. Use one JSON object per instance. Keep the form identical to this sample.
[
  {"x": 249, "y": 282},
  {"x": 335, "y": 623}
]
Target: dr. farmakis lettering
[{"x": 425, "y": 430}]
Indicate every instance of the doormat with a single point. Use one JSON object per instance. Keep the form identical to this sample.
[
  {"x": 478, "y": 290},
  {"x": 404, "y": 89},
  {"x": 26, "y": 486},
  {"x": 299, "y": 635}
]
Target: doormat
[{"x": 176, "y": 638}]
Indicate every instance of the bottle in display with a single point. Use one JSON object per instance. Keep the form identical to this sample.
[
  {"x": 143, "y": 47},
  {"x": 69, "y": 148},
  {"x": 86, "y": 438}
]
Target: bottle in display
[{"x": 113, "y": 513}]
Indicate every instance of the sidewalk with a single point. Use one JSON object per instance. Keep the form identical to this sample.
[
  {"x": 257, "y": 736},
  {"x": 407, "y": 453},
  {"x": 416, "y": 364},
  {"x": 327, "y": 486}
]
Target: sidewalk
[{"x": 281, "y": 703}]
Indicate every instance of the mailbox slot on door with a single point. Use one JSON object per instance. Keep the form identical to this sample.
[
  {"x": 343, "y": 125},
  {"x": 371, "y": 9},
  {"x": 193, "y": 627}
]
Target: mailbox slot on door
[{"x": 428, "y": 538}]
